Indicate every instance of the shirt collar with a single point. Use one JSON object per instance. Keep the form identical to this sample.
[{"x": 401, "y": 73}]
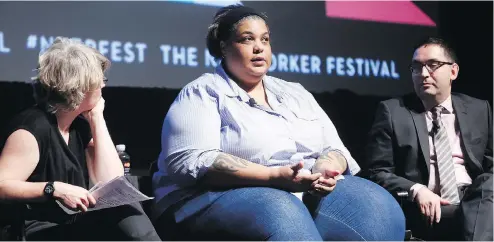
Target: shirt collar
[
  {"x": 231, "y": 89},
  {"x": 447, "y": 104}
]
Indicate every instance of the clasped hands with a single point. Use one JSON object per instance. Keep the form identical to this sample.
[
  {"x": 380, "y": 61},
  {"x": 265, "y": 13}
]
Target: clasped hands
[{"x": 321, "y": 182}]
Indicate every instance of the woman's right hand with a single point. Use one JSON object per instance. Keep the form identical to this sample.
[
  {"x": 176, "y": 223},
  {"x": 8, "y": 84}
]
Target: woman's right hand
[
  {"x": 73, "y": 197},
  {"x": 96, "y": 111},
  {"x": 292, "y": 179}
]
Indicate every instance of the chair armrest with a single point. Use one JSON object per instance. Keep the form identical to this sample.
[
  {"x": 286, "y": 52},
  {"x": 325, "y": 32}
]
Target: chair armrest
[
  {"x": 401, "y": 197},
  {"x": 402, "y": 194}
]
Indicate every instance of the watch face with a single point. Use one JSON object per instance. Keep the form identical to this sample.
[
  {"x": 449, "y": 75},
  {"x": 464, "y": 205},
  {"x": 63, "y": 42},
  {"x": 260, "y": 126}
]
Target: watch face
[{"x": 49, "y": 189}]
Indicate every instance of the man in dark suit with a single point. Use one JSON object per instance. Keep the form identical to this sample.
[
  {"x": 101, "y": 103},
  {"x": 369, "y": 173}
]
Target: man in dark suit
[{"x": 437, "y": 146}]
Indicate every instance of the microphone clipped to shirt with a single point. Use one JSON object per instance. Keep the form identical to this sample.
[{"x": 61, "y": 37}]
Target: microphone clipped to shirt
[{"x": 252, "y": 102}]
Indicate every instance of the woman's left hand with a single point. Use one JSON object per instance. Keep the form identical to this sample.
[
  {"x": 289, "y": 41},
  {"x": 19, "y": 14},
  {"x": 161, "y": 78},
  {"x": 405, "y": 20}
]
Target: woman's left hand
[{"x": 325, "y": 184}]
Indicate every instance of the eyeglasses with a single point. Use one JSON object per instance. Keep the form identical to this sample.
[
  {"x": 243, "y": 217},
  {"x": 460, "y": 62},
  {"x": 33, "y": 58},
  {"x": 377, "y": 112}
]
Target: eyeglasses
[
  {"x": 105, "y": 80},
  {"x": 431, "y": 65}
]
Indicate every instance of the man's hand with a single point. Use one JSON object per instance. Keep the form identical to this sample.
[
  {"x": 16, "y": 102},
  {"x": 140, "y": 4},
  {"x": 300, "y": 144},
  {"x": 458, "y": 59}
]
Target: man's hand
[{"x": 430, "y": 204}]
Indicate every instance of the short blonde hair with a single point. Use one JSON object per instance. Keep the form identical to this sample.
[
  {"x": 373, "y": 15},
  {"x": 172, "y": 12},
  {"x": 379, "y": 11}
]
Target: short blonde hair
[{"x": 67, "y": 70}]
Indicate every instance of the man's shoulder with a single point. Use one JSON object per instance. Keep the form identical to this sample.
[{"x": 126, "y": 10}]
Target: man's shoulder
[
  {"x": 391, "y": 102},
  {"x": 406, "y": 101},
  {"x": 467, "y": 99},
  {"x": 412, "y": 102}
]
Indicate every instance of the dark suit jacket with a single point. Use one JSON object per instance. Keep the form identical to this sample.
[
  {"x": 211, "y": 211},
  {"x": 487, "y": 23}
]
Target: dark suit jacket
[{"x": 398, "y": 147}]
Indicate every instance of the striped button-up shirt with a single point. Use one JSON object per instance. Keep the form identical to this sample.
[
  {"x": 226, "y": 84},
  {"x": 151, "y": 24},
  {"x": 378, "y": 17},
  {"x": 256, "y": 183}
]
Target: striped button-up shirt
[
  {"x": 448, "y": 117},
  {"x": 213, "y": 114}
]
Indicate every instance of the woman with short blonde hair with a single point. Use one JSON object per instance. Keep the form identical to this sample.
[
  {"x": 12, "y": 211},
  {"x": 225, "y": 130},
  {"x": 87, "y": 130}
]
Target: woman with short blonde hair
[
  {"x": 66, "y": 71},
  {"x": 51, "y": 151}
]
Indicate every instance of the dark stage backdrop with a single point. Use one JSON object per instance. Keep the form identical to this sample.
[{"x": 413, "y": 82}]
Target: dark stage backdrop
[
  {"x": 157, "y": 47},
  {"x": 162, "y": 43}
]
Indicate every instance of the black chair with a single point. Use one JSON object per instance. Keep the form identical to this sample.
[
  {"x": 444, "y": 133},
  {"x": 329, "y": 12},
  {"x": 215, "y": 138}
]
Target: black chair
[
  {"x": 402, "y": 197},
  {"x": 146, "y": 187},
  {"x": 12, "y": 226}
]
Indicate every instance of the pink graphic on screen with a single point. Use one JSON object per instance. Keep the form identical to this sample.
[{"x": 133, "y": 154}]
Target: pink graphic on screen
[{"x": 399, "y": 12}]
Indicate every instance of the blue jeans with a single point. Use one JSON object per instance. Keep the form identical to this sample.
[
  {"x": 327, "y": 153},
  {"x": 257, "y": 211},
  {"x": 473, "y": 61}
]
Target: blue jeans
[{"x": 357, "y": 209}]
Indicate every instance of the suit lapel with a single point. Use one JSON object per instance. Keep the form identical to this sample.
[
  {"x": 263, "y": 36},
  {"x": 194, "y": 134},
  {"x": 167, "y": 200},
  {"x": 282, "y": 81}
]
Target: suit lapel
[
  {"x": 461, "y": 112},
  {"x": 418, "y": 114}
]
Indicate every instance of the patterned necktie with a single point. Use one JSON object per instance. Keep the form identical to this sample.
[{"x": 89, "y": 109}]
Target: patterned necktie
[{"x": 444, "y": 159}]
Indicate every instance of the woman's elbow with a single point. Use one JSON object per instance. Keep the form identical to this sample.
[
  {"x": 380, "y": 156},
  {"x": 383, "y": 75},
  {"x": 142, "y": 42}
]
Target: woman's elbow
[
  {"x": 183, "y": 172},
  {"x": 187, "y": 169},
  {"x": 181, "y": 175}
]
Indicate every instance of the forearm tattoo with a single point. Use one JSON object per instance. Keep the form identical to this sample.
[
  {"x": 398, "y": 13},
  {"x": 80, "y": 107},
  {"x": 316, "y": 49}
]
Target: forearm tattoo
[
  {"x": 228, "y": 163},
  {"x": 330, "y": 157}
]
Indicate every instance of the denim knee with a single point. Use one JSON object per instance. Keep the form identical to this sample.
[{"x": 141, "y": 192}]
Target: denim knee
[
  {"x": 257, "y": 213},
  {"x": 285, "y": 217},
  {"x": 361, "y": 208}
]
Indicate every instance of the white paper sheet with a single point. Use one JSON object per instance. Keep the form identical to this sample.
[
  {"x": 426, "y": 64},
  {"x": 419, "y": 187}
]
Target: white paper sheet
[{"x": 119, "y": 191}]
